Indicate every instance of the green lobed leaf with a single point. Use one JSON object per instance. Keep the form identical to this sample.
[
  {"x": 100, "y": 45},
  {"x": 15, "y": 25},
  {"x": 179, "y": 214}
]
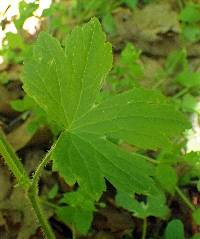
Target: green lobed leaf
[
  {"x": 65, "y": 83},
  {"x": 66, "y": 86},
  {"x": 141, "y": 117},
  {"x": 87, "y": 159}
]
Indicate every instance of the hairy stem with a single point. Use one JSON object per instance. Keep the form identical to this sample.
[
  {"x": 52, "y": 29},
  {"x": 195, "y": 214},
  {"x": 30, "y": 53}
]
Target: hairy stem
[
  {"x": 30, "y": 186},
  {"x": 185, "y": 199},
  {"x": 38, "y": 171},
  {"x": 35, "y": 202},
  {"x": 33, "y": 195},
  {"x": 13, "y": 162}
]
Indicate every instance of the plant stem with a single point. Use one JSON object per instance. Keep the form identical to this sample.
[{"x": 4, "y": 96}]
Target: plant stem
[
  {"x": 13, "y": 162},
  {"x": 35, "y": 201},
  {"x": 185, "y": 199},
  {"x": 153, "y": 161},
  {"x": 158, "y": 83},
  {"x": 144, "y": 228},
  {"x": 180, "y": 4},
  {"x": 34, "y": 198},
  {"x": 48, "y": 204},
  {"x": 38, "y": 171},
  {"x": 181, "y": 93},
  {"x": 30, "y": 187},
  {"x": 73, "y": 232}
]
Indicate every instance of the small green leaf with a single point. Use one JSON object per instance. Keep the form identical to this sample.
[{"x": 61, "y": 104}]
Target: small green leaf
[
  {"x": 191, "y": 13},
  {"x": 190, "y": 104},
  {"x": 53, "y": 192},
  {"x": 154, "y": 205},
  {"x": 14, "y": 41},
  {"x": 130, "y": 62},
  {"x": 26, "y": 10},
  {"x": 109, "y": 24},
  {"x": 24, "y": 104},
  {"x": 191, "y": 32},
  {"x": 78, "y": 218},
  {"x": 193, "y": 168},
  {"x": 129, "y": 54},
  {"x": 78, "y": 211},
  {"x": 175, "y": 229},
  {"x": 131, "y": 3},
  {"x": 167, "y": 177},
  {"x": 189, "y": 78},
  {"x": 196, "y": 216},
  {"x": 197, "y": 236}
]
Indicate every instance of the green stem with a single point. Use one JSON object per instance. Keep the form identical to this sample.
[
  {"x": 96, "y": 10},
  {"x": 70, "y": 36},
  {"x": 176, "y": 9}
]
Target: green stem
[
  {"x": 30, "y": 187},
  {"x": 144, "y": 228},
  {"x": 158, "y": 83},
  {"x": 48, "y": 204},
  {"x": 73, "y": 232},
  {"x": 181, "y": 93},
  {"x": 38, "y": 171},
  {"x": 180, "y": 4},
  {"x": 35, "y": 201},
  {"x": 33, "y": 195},
  {"x": 185, "y": 199},
  {"x": 13, "y": 162},
  {"x": 153, "y": 161},
  {"x": 55, "y": 207}
]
